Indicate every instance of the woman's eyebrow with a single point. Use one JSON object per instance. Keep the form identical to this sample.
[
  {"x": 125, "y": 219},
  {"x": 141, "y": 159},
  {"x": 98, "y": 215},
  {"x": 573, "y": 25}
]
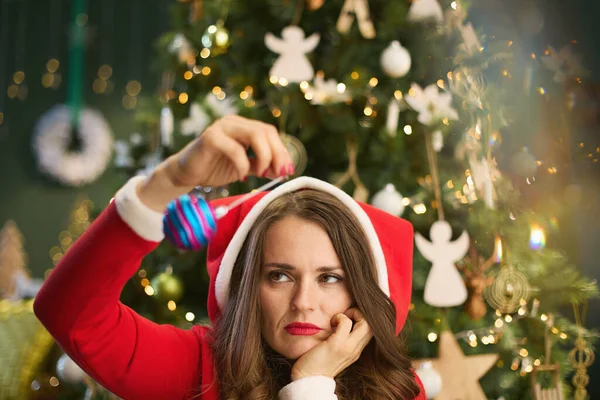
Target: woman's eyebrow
[{"x": 290, "y": 267}]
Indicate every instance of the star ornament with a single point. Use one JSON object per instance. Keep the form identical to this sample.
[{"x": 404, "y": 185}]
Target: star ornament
[{"x": 460, "y": 373}]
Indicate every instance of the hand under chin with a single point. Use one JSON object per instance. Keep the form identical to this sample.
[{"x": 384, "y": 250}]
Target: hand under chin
[{"x": 300, "y": 345}]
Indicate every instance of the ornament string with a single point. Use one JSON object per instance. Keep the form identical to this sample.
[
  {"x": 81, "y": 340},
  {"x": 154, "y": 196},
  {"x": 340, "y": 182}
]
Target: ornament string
[
  {"x": 223, "y": 210},
  {"x": 580, "y": 315},
  {"x": 225, "y": 11},
  {"x": 196, "y": 10},
  {"x": 437, "y": 191},
  {"x": 298, "y": 12}
]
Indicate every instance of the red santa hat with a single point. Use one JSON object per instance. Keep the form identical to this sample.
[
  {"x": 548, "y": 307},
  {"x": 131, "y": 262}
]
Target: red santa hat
[{"x": 390, "y": 238}]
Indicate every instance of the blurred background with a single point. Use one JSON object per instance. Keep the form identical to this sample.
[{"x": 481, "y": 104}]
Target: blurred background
[{"x": 484, "y": 115}]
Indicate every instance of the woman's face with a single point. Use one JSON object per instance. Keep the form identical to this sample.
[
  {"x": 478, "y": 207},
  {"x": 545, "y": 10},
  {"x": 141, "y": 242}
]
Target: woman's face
[{"x": 301, "y": 287}]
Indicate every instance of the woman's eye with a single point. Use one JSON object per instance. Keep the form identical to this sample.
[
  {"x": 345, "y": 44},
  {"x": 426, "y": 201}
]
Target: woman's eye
[
  {"x": 278, "y": 277},
  {"x": 330, "y": 278}
]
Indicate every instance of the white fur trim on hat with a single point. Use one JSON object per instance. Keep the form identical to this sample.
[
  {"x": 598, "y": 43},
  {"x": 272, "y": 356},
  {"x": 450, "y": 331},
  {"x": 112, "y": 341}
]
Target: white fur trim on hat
[
  {"x": 144, "y": 221},
  {"x": 303, "y": 182}
]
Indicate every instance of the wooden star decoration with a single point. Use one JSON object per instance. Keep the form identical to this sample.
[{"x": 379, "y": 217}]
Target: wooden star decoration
[{"x": 460, "y": 373}]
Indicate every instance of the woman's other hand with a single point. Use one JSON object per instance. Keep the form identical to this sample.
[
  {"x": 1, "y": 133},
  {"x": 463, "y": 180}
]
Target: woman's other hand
[
  {"x": 339, "y": 351},
  {"x": 216, "y": 158}
]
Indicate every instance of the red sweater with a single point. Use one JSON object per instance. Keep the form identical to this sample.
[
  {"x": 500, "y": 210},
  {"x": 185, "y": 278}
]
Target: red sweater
[{"x": 129, "y": 355}]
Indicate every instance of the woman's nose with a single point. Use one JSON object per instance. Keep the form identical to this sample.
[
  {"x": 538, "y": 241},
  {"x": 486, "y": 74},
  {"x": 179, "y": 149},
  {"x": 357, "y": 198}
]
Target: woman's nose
[{"x": 305, "y": 297}]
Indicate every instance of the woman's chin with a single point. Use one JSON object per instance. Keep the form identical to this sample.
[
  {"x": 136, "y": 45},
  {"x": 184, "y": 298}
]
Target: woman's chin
[{"x": 296, "y": 348}]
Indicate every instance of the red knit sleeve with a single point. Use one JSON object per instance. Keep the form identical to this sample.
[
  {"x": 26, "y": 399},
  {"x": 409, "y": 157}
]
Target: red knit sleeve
[{"x": 79, "y": 305}]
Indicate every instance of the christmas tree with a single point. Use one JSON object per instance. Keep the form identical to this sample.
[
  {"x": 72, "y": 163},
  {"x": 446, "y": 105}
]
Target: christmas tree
[{"x": 407, "y": 106}]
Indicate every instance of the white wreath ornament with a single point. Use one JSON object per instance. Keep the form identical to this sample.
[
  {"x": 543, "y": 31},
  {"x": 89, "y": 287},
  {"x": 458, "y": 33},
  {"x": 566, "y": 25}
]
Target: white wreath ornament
[{"x": 51, "y": 140}]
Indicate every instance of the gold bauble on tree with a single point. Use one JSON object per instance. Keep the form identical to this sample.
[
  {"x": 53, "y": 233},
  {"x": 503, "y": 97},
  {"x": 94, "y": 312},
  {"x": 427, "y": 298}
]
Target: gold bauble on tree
[
  {"x": 297, "y": 152},
  {"x": 167, "y": 287},
  {"x": 216, "y": 38}
]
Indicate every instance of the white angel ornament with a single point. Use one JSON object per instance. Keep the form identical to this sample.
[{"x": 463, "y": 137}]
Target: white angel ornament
[
  {"x": 444, "y": 286},
  {"x": 422, "y": 10},
  {"x": 292, "y": 63}
]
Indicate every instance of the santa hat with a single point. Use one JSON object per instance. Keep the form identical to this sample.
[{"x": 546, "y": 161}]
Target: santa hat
[{"x": 390, "y": 238}]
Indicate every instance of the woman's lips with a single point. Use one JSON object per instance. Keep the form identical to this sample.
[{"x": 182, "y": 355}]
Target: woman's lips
[{"x": 302, "y": 329}]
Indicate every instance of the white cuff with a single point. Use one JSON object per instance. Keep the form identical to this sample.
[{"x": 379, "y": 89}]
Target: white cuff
[
  {"x": 144, "y": 221},
  {"x": 309, "y": 388}
]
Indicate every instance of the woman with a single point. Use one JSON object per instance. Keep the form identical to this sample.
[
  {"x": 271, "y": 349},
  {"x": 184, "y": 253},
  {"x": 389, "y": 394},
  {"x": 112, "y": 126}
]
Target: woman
[{"x": 303, "y": 287}]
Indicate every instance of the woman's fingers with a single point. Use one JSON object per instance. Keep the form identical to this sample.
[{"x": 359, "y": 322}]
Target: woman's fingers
[
  {"x": 251, "y": 134},
  {"x": 282, "y": 162},
  {"x": 234, "y": 151},
  {"x": 361, "y": 332},
  {"x": 271, "y": 156}
]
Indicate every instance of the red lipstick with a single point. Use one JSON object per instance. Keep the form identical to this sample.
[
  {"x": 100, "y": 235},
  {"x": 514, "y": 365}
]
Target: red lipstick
[{"x": 302, "y": 329}]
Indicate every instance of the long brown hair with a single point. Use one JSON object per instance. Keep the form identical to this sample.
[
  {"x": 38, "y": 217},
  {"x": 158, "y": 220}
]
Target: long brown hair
[{"x": 245, "y": 365}]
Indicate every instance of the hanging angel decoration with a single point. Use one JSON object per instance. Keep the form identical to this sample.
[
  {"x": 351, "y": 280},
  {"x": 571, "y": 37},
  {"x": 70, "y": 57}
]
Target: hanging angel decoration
[
  {"x": 444, "y": 286},
  {"x": 292, "y": 63}
]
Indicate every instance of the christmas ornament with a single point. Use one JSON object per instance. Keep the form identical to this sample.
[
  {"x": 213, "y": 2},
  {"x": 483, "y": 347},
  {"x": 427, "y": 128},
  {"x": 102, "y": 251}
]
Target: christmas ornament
[
  {"x": 68, "y": 370},
  {"x": 582, "y": 356},
  {"x": 189, "y": 224},
  {"x": 203, "y": 113},
  {"x": 167, "y": 124},
  {"x": 361, "y": 193},
  {"x": 523, "y": 163},
  {"x": 292, "y": 65},
  {"x": 444, "y": 286},
  {"x": 553, "y": 392},
  {"x": 430, "y": 378},
  {"x": 389, "y": 200},
  {"x": 167, "y": 287},
  {"x": 508, "y": 288},
  {"x": 460, "y": 374},
  {"x": 196, "y": 121},
  {"x": 395, "y": 60},
  {"x": 360, "y": 10},
  {"x": 437, "y": 139},
  {"x": 326, "y": 92},
  {"x": 474, "y": 272},
  {"x": 24, "y": 345},
  {"x": 216, "y": 38},
  {"x": 423, "y": 10},
  {"x": 183, "y": 48},
  {"x": 393, "y": 117},
  {"x": 565, "y": 64},
  {"x": 53, "y": 138},
  {"x": 431, "y": 105},
  {"x": 297, "y": 152}
]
